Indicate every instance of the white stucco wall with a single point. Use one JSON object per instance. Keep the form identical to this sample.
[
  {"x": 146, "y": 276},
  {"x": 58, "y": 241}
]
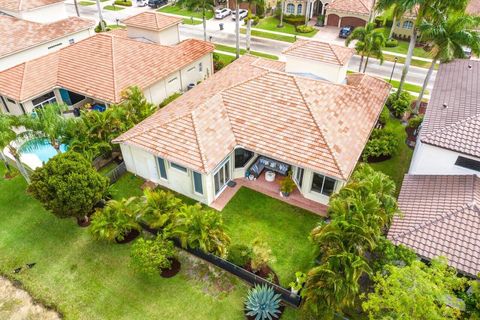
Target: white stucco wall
[
  {"x": 330, "y": 72},
  {"x": 42, "y": 49},
  {"x": 428, "y": 159},
  {"x": 168, "y": 36},
  {"x": 306, "y": 188},
  {"x": 45, "y": 14}
]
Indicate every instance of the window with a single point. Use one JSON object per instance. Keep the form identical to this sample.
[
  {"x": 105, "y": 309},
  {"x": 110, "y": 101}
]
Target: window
[
  {"x": 468, "y": 163},
  {"x": 299, "y": 9},
  {"x": 408, "y": 25},
  {"x": 323, "y": 184},
  {"x": 299, "y": 176},
  {"x": 11, "y": 101},
  {"x": 242, "y": 156},
  {"x": 290, "y": 8},
  {"x": 171, "y": 80},
  {"x": 197, "y": 183},
  {"x": 178, "y": 167},
  {"x": 42, "y": 101},
  {"x": 200, "y": 67},
  {"x": 161, "y": 168},
  {"x": 221, "y": 177}
]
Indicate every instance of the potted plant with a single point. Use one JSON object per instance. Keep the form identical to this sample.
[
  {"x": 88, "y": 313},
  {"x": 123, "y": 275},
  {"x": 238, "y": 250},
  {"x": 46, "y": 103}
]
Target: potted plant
[
  {"x": 262, "y": 303},
  {"x": 287, "y": 186},
  {"x": 297, "y": 285}
]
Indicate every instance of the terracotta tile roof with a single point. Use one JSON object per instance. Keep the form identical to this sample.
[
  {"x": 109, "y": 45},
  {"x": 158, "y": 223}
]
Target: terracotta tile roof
[
  {"x": 354, "y": 6},
  {"x": 473, "y": 7},
  {"x": 441, "y": 217},
  {"x": 152, "y": 21},
  {"x": 100, "y": 67},
  {"x": 320, "y": 51},
  {"x": 17, "y": 34},
  {"x": 456, "y": 126},
  {"x": 311, "y": 123},
  {"x": 21, "y": 5}
]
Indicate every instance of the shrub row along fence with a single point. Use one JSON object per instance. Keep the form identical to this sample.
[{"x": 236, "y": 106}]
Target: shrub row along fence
[
  {"x": 288, "y": 297},
  {"x": 116, "y": 172}
]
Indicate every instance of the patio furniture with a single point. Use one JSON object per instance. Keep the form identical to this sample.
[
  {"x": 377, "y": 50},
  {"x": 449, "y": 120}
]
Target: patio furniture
[
  {"x": 270, "y": 176},
  {"x": 266, "y": 163}
]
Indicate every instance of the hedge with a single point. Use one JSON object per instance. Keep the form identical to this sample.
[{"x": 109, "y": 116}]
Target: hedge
[{"x": 126, "y": 3}]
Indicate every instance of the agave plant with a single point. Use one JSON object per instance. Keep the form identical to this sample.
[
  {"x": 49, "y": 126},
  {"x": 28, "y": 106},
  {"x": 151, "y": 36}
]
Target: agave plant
[{"x": 263, "y": 303}]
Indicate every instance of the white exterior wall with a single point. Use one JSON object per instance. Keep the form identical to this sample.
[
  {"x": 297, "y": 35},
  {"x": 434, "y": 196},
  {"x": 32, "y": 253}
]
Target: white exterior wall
[
  {"x": 46, "y": 14},
  {"x": 306, "y": 188},
  {"x": 428, "y": 159},
  {"x": 330, "y": 72},
  {"x": 169, "y": 36},
  {"x": 43, "y": 49}
]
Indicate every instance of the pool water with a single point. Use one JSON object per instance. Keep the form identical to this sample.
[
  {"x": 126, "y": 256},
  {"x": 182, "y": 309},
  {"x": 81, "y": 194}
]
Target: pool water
[{"x": 40, "y": 148}]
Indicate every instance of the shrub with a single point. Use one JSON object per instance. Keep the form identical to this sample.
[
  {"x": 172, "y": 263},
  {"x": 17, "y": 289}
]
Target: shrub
[
  {"x": 150, "y": 256},
  {"x": 217, "y": 63},
  {"x": 261, "y": 255},
  {"x": 382, "y": 143},
  {"x": 305, "y": 29},
  {"x": 391, "y": 43},
  {"x": 239, "y": 254},
  {"x": 169, "y": 99},
  {"x": 263, "y": 303},
  {"x": 158, "y": 209},
  {"x": 260, "y": 10},
  {"x": 384, "y": 116},
  {"x": 126, "y": 3},
  {"x": 98, "y": 28},
  {"x": 115, "y": 220},
  {"x": 255, "y": 19},
  {"x": 415, "y": 122},
  {"x": 295, "y": 20},
  {"x": 68, "y": 186},
  {"x": 399, "y": 105}
]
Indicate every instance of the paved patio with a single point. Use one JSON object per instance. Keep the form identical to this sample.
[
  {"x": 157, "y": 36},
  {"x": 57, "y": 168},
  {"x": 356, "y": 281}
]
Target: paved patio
[{"x": 270, "y": 189}]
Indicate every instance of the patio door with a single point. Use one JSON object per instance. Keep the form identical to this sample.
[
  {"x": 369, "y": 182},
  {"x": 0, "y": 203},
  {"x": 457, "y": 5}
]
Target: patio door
[
  {"x": 221, "y": 177},
  {"x": 299, "y": 177}
]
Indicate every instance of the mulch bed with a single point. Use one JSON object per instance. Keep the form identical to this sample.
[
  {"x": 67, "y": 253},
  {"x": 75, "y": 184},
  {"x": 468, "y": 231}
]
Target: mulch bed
[
  {"x": 174, "y": 269},
  {"x": 411, "y": 136},
  {"x": 83, "y": 223},
  {"x": 263, "y": 273},
  {"x": 129, "y": 237}
]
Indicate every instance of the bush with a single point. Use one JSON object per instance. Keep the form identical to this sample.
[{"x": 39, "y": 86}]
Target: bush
[
  {"x": 305, "y": 29},
  {"x": 391, "y": 43},
  {"x": 150, "y": 256},
  {"x": 415, "y": 122},
  {"x": 98, "y": 28},
  {"x": 382, "y": 143},
  {"x": 169, "y": 99},
  {"x": 255, "y": 19},
  {"x": 384, "y": 116},
  {"x": 295, "y": 20},
  {"x": 217, "y": 64},
  {"x": 260, "y": 10},
  {"x": 398, "y": 106},
  {"x": 239, "y": 254},
  {"x": 379, "y": 21},
  {"x": 126, "y": 3},
  {"x": 287, "y": 185}
]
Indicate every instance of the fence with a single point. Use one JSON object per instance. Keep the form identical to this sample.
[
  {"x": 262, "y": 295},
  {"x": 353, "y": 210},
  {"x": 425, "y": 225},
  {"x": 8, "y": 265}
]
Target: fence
[
  {"x": 116, "y": 172},
  {"x": 287, "y": 296}
]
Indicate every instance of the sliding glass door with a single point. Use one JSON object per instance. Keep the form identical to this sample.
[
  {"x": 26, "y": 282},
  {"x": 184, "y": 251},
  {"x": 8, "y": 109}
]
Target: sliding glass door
[{"x": 221, "y": 177}]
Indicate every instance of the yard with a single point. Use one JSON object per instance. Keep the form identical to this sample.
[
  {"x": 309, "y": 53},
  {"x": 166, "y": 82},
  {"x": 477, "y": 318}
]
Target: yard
[
  {"x": 87, "y": 279},
  {"x": 271, "y": 24},
  {"x": 185, "y": 12}
]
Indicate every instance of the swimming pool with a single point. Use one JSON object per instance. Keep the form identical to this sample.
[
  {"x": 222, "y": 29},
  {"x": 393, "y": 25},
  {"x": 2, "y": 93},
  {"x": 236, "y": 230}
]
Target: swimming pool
[{"x": 36, "y": 152}]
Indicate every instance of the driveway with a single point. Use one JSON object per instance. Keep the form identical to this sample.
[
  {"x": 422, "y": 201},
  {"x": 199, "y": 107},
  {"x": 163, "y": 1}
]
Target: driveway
[{"x": 329, "y": 34}]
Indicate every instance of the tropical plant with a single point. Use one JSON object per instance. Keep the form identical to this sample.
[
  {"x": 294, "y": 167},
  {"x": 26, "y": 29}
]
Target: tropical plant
[
  {"x": 399, "y": 103},
  {"x": 159, "y": 208},
  {"x": 68, "y": 186},
  {"x": 448, "y": 36},
  {"x": 196, "y": 5},
  {"x": 382, "y": 143},
  {"x": 415, "y": 122},
  {"x": 239, "y": 254},
  {"x": 263, "y": 303},
  {"x": 201, "y": 228},
  {"x": 7, "y": 136},
  {"x": 384, "y": 116},
  {"x": 261, "y": 255},
  {"x": 152, "y": 255},
  {"x": 423, "y": 9},
  {"x": 386, "y": 253},
  {"x": 300, "y": 279},
  {"x": 136, "y": 105},
  {"x": 116, "y": 220},
  {"x": 416, "y": 291},
  {"x": 287, "y": 185},
  {"x": 369, "y": 43}
]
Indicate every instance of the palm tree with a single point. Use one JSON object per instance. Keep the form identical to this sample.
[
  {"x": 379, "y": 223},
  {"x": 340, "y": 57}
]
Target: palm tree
[
  {"x": 100, "y": 16},
  {"x": 424, "y": 9},
  {"x": 448, "y": 37},
  {"x": 370, "y": 42},
  {"x": 77, "y": 11},
  {"x": 159, "y": 208},
  {"x": 282, "y": 4},
  {"x": 7, "y": 135}
]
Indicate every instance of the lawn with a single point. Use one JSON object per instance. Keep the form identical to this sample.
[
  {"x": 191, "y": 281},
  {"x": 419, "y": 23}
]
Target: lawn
[
  {"x": 86, "y": 3},
  {"x": 225, "y": 48},
  {"x": 403, "y": 46},
  {"x": 285, "y": 228},
  {"x": 407, "y": 86},
  {"x": 185, "y": 12},
  {"x": 113, "y": 7},
  {"x": 415, "y": 62},
  {"x": 193, "y": 22},
  {"x": 398, "y": 165},
  {"x": 271, "y": 24},
  {"x": 225, "y": 58},
  {"x": 268, "y": 35}
]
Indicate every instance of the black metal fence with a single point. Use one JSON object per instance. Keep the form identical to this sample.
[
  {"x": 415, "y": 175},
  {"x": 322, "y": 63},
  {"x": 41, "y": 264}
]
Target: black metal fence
[
  {"x": 288, "y": 297},
  {"x": 116, "y": 172}
]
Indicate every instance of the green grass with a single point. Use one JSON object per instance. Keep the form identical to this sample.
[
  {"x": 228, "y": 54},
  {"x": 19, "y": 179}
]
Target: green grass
[
  {"x": 114, "y": 26},
  {"x": 415, "y": 62},
  {"x": 262, "y": 34},
  {"x": 193, "y": 22},
  {"x": 113, "y": 8},
  {"x": 185, "y": 12},
  {"x": 271, "y": 24},
  {"x": 398, "y": 165},
  {"x": 86, "y": 3},
  {"x": 284, "y": 227},
  {"x": 88, "y": 279},
  {"x": 403, "y": 46},
  {"x": 225, "y": 48},
  {"x": 407, "y": 86},
  {"x": 225, "y": 58}
]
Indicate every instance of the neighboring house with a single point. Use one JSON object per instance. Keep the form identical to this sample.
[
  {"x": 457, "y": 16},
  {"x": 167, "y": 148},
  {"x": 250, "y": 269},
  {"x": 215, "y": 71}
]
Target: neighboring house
[
  {"x": 253, "y": 108},
  {"x": 356, "y": 13},
  {"x": 42, "y": 11},
  {"x": 302, "y": 7},
  {"x": 96, "y": 70},
  {"x": 23, "y": 40},
  {"x": 449, "y": 140},
  {"x": 441, "y": 217}
]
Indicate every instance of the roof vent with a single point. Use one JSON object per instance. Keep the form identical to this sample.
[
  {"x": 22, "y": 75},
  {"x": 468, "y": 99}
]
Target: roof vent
[{"x": 445, "y": 106}]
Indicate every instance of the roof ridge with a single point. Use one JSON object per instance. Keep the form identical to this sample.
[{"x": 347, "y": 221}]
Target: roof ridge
[
  {"x": 24, "y": 64},
  {"x": 322, "y": 134},
  {"x": 113, "y": 67},
  {"x": 200, "y": 146},
  {"x": 335, "y": 54},
  {"x": 434, "y": 133}
]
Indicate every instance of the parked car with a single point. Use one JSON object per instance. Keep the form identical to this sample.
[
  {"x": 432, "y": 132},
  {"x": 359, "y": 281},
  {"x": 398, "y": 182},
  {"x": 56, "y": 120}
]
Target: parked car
[
  {"x": 157, "y": 3},
  {"x": 142, "y": 3},
  {"x": 242, "y": 14},
  {"x": 222, "y": 13},
  {"x": 345, "y": 32}
]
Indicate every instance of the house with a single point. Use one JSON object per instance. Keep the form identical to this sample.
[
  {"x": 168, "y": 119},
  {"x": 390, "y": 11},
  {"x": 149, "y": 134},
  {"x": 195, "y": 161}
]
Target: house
[
  {"x": 449, "y": 140},
  {"x": 96, "y": 70},
  {"x": 302, "y": 7},
  {"x": 256, "y": 120},
  {"x": 441, "y": 217},
  {"x": 23, "y": 40},
  {"x": 40, "y": 11}
]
